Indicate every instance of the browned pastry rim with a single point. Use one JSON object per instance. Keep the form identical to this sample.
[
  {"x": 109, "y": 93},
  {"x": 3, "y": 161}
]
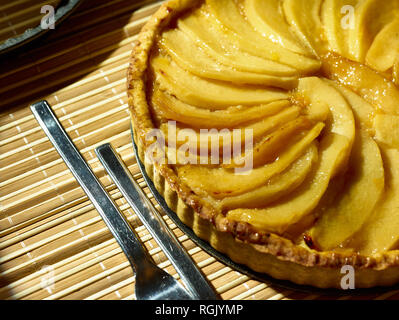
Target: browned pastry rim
[{"x": 292, "y": 260}]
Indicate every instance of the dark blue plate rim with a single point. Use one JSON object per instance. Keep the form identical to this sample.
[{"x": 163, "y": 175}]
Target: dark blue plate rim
[{"x": 65, "y": 8}]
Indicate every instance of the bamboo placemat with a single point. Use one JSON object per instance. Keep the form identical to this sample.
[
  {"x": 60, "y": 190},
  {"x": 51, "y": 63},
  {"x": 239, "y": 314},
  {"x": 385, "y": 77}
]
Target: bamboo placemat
[
  {"x": 18, "y": 15},
  {"x": 53, "y": 243}
]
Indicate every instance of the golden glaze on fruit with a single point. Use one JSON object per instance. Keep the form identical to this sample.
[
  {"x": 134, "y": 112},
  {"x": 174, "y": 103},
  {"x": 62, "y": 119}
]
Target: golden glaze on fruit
[{"x": 322, "y": 102}]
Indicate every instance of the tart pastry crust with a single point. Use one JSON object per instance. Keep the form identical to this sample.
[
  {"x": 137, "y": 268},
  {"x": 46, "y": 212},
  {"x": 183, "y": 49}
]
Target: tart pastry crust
[{"x": 262, "y": 251}]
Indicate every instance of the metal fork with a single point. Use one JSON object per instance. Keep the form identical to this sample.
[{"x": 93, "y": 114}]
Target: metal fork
[
  {"x": 151, "y": 282},
  {"x": 145, "y": 210}
]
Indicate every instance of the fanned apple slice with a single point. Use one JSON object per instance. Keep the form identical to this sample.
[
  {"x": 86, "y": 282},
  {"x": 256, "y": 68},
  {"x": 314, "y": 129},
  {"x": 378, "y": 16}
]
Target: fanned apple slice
[
  {"x": 357, "y": 200},
  {"x": 269, "y": 148},
  {"x": 345, "y": 23},
  {"x": 210, "y": 138},
  {"x": 336, "y": 29},
  {"x": 380, "y": 232},
  {"x": 371, "y": 17},
  {"x": 378, "y": 14},
  {"x": 367, "y": 83},
  {"x": 334, "y": 151},
  {"x": 171, "y": 108},
  {"x": 227, "y": 19},
  {"x": 221, "y": 48},
  {"x": 158, "y": 152},
  {"x": 221, "y": 182},
  {"x": 360, "y": 36},
  {"x": 184, "y": 155},
  {"x": 192, "y": 58},
  {"x": 381, "y": 56},
  {"x": 277, "y": 187},
  {"x": 289, "y": 210},
  {"x": 266, "y": 18},
  {"x": 387, "y": 130},
  {"x": 342, "y": 120},
  {"x": 315, "y": 90},
  {"x": 308, "y": 27},
  {"x": 209, "y": 94},
  {"x": 362, "y": 110},
  {"x": 300, "y": 231},
  {"x": 317, "y": 111}
]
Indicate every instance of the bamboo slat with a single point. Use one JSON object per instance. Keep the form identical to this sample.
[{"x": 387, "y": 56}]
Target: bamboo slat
[
  {"x": 53, "y": 243},
  {"x": 18, "y": 16}
]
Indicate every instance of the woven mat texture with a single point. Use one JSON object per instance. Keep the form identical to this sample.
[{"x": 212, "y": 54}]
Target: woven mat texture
[{"x": 53, "y": 243}]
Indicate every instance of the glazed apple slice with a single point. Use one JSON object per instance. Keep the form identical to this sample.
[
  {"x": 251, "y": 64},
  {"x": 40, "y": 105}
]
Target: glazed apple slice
[
  {"x": 227, "y": 19},
  {"x": 266, "y": 18},
  {"x": 181, "y": 156},
  {"x": 387, "y": 130},
  {"x": 371, "y": 17},
  {"x": 342, "y": 120},
  {"x": 362, "y": 110},
  {"x": 359, "y": 39},
  {"x": 315, "y": 90},
  {"x": 205, "y": 138},
  {"x": 169, "y": 107},
  {"x": 221, "y": 48},
  {"x": 307, "y": 27},
  {"x": 277, "y": 187},
  {"x": 336, "y": 26},
  {"x": 367, "y": 83},
  {"x": 221, "y": 182},
  {"x": 192, "y": 58},
  {"x": 334, "y": 151},
  {"x": 317, "y": 111},
  {"x": 271, "y": 145},
  {"x": 357, "y": 200},
  {"x": 360, "y": 36},
  {"x": 208, "y": 94},
  {"x": 381, "y": 56},
  {"x": 347, "y": 25},
  {"x": 296, "y": 206},
  {"x": 380, "y": 232},
  {"x": 385, "y": 127}
]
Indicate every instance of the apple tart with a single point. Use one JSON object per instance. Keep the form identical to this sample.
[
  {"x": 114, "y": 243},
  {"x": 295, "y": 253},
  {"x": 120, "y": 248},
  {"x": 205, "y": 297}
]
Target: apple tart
[{"x": 276, "y": 131}]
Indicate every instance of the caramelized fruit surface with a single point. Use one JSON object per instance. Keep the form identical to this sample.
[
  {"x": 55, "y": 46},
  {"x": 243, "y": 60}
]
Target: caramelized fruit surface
[{"x": 319, "y": 94}]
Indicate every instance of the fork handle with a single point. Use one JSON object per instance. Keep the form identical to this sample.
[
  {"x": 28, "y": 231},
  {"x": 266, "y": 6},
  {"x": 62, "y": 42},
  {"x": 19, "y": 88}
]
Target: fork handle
[
  {"x": 120, "y": 228},
  {"x": 193, "y": 278}
]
